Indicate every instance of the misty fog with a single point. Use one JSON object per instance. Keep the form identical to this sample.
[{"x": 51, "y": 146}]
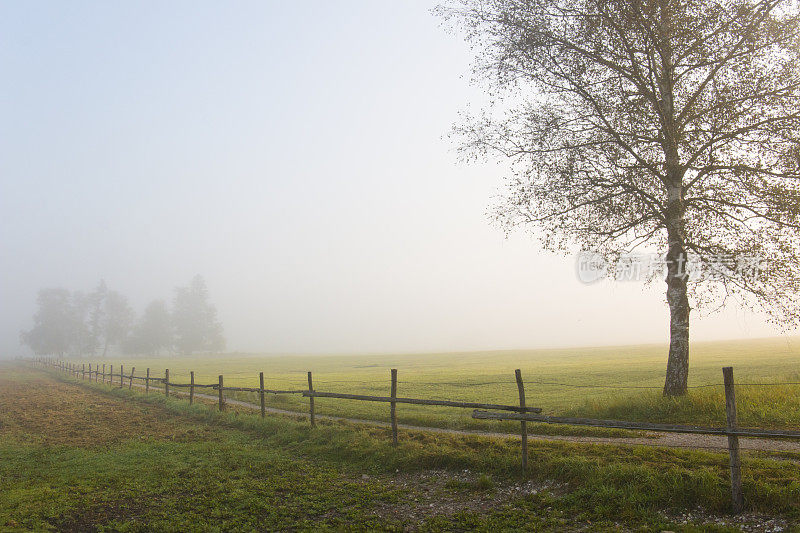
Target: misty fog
[{"x": 300, "y": 164}]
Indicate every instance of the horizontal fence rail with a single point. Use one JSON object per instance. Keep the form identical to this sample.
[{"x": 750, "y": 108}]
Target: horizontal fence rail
[
  {"x": 640, "y": 426},
  {"x": 420, "y": 401},
  {"x": 482, "y": 411}
]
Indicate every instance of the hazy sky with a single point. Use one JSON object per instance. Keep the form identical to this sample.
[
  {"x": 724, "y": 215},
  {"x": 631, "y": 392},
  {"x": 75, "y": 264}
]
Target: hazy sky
[{"x": 295, "y": 154}]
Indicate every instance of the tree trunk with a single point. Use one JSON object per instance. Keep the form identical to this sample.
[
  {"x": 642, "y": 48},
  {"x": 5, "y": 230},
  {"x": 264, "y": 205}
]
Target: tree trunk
[
  {"x": 678, "y": 362},
  {"x": 677, "y": 277},
  {"x": 677, "y": 298}
]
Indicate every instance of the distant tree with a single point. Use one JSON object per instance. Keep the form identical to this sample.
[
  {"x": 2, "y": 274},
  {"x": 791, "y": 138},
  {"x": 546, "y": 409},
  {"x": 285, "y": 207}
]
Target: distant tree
[
  {"x": 664, "y": 123},
  {"x": 96, "y": 303},
  {"x": 54, "y": 324},
  {"x": 153, "y": 331},
  {"x": 195, "y": 319},
  {"x": 118, "y": 319},
  {"x": 78, "y": 323},
  {"x": 83, "y": 341}
]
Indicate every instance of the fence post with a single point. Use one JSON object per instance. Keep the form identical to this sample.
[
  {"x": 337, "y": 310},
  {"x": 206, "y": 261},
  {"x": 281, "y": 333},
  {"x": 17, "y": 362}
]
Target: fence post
[
  {"x": 523, "y": 424},
  {"x": 104, "y": 372},
  {"x": 166, "y": 382},
  {"x": 147, "y": 382},
  {"x": 261, "y": 393},
  {"x": 221, "y": 399},
  {"x": 111, "y": 374},
  {"x": 737, "y": 499},
  {"x": 393, "y": 407},
  {"x": 311, "y": 401},
  {"x": 191, "y": 387},
  {"x": 121, "y": 373},
  {"x": 83, "y": 372},
  {"x": 90, "y": 371},
  {"x": 130, "y": 385}
]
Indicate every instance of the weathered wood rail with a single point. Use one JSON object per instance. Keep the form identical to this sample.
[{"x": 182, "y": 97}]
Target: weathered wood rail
[
  {"x": 483, "y": 411},
  {"x": 419, "y": 401}
]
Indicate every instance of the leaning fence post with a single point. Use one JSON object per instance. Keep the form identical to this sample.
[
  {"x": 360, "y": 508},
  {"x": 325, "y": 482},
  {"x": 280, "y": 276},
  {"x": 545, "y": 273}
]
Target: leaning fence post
[
  {"x": 121, "y": 373},
  {"x": 221, "y": 398},
  {"x": 130, "y": 385},
  {"x": 311, "y": 401},
  {"x": 261, "y": 393},
  {"x": 393, "y": 407},
  {"x": 737, "y": 499},
  {"x": 166, "y": 382},
  {"x": 147, "y": 382},
  {"x": 523, "y": 424},
  {"x": 191, "y": 387}
]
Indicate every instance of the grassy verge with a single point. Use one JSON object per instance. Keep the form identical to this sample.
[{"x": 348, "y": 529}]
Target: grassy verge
[
  {"x": 767, "y": 405},
  {"x": 590, "y": 484}
]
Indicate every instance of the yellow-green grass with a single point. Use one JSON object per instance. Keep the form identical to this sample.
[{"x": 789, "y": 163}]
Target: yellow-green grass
[
  {"x": 92, "y": 457},
  {"x": 609, "y": 382}
]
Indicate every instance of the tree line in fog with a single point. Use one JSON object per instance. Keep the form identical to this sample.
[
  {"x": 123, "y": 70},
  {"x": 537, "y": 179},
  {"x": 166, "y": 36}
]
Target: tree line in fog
[{"x": 94, "y": 323}]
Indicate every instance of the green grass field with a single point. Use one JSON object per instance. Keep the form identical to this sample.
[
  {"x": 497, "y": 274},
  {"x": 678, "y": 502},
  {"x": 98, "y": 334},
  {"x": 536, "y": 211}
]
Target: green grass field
[
  {"x": 605, "y": 382},
  {"x": 83, "y": 457}
]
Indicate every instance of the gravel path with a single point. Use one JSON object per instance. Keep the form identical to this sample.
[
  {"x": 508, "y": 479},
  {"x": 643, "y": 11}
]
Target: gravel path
[{"x": 668, "y": 440}]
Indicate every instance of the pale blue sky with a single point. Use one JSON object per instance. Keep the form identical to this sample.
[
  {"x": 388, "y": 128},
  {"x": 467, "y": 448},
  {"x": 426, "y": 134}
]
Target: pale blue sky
[{"x": 294, "y": 154}]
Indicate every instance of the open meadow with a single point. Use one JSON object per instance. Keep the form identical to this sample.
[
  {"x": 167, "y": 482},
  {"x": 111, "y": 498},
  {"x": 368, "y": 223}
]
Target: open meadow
[
  {"x": 80, "y": 456},
  {"x": 602, "y": 382}
]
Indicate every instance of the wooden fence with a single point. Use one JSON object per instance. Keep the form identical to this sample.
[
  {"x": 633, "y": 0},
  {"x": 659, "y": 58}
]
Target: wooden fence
[{"x": 483, "y": 411}]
